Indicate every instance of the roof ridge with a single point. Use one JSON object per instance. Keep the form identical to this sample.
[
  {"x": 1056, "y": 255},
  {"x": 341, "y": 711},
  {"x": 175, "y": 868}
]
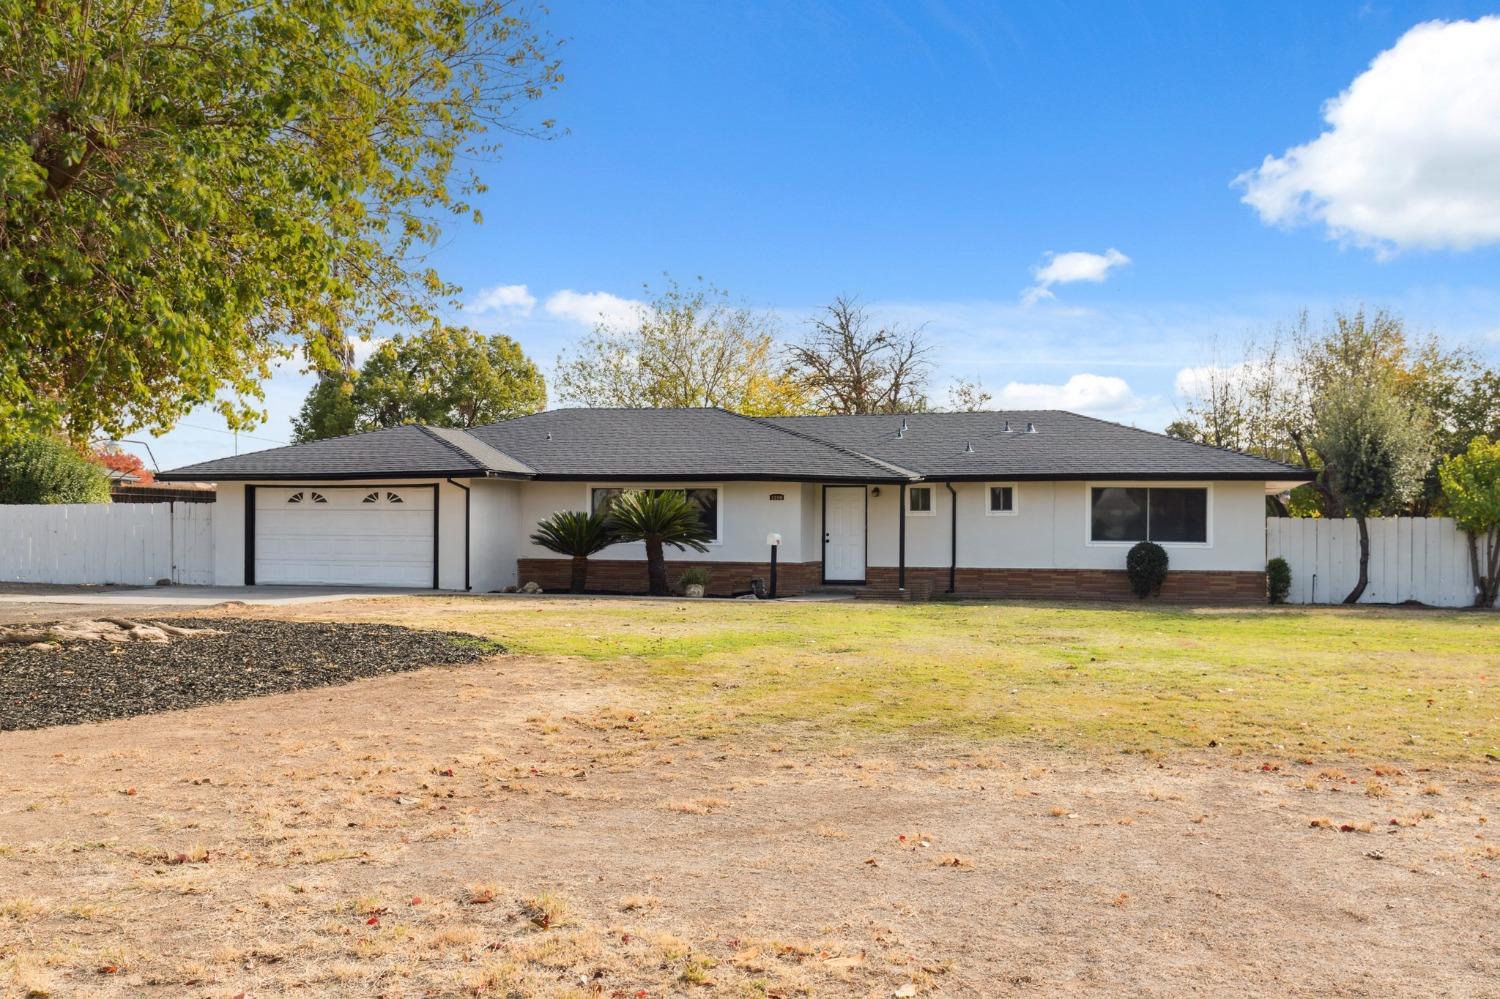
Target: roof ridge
[
  {"x": 452, "y": 445},
  {"x": 765, "y": 422}
]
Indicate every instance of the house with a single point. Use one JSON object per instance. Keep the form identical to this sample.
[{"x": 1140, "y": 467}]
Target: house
[{"x": 1034, "y": 503}]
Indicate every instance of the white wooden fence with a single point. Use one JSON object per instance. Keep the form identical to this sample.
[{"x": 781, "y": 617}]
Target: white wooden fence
[
  {"x": 1411, "y": 558},
  {"x": 133, "y": 543}
]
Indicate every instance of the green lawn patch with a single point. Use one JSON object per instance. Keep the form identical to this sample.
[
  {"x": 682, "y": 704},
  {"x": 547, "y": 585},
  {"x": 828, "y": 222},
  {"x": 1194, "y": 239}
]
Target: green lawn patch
[{"x": 1414, "y": 684}]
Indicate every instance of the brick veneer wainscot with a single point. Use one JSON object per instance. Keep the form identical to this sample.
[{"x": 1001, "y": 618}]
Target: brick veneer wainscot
[
  {"x": 1186, "y": 586},
  {"x": 629, "y": 575}
]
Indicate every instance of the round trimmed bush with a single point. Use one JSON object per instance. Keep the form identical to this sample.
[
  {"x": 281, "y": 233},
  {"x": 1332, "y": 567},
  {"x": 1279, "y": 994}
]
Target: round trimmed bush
[
  {"x": 1278, "y": 580},
  {"x": 1146, "y": 565},
  {"x": 42, "y": 469}
]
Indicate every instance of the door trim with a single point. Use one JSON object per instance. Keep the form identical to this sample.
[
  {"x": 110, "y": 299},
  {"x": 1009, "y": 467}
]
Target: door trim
[
  {"x": 250, "y": 518},
  {"x": 823, "y": 550}
]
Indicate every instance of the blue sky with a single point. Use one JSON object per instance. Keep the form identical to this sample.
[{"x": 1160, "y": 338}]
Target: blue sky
[{"x": 930, "y": 158}]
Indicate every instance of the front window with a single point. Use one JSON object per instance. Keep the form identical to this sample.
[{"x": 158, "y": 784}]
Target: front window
[
  {"x": 1002, "y": 499},
  {"x": 1140, "y": 513},
  {"x": 919, "y": 501},
  {"x": 705, "y": 499}
]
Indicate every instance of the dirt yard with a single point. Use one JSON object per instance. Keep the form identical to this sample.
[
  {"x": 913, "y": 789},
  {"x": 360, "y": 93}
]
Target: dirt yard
[{"x": 528, "y": 826}]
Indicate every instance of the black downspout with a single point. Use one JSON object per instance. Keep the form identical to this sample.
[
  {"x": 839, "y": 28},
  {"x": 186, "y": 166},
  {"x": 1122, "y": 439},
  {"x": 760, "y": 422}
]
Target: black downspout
[
  {"x": 952, "y": 538},
  {"x": 249, "y": 535},
  {"x": 467, "y": 587},
  {"x": 901, "y": 554}
]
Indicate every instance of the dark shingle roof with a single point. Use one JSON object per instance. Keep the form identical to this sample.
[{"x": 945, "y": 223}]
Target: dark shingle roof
[
  {"x": 687, "y": 444},
  {"x": 398, "y": 452},
  {"x": 1064, "y": 446},
  {"x": 673, "y": 443}
]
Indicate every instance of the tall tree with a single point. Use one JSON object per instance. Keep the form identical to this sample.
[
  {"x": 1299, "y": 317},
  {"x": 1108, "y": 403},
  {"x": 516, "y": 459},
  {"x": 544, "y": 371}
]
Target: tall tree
[
  {"x": 193, "y": 189},
  {"x": 449, "y": 377},
  {"x": 1374, "y": 448},
  {"x": 851, "y": 365},
  {"x": 1471, "y": 484},
  {"x": 1263, "y": 401},
  {"x": 685, "y": 347}
]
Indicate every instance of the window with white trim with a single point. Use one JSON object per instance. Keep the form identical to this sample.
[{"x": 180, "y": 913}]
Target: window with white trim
[
  {"x": 1000, "y": 499},
  {"x": 919, "y": 501},
  {"x": 1163, "y": 514},
  {"x": 705, "y": 498}
]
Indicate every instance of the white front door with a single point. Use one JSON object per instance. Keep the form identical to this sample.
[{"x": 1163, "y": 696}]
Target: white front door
[
  {"x": 344, "y": 535},
  {"x": 844, "y": 534}
]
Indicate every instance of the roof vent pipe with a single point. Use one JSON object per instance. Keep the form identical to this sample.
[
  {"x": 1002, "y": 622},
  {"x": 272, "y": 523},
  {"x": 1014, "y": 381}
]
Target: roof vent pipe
[
  {"x": 549, "y": 435},
  {"x": 1007, "y": 427},
  {"x": 968, "y": 447},
  {"x": 903, "y": 424},
  {"x": 1031, "y": 428}
]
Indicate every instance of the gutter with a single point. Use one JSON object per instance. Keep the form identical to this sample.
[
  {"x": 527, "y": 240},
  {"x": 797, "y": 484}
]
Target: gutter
[{"x": 465, "y": 488}]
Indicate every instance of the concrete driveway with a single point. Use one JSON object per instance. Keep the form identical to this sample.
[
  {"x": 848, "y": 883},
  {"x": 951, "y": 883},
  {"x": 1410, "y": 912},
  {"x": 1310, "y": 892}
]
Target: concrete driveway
[{"x": 21, "y": 603}]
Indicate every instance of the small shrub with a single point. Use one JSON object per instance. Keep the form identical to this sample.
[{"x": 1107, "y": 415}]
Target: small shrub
[
  {"x": 693, "y": 576},
  {"x": 1278, "y": 580},
  {"x": 1147, "y": 567}
]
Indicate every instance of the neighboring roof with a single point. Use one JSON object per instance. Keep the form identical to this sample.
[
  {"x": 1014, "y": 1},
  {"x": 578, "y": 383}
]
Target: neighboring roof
[
  {"x": 686, "y": 444},
  {"x": 1063, "y": 446},
  {"x": 675, "y": 444},
  {"x": 397, "y": 452}
]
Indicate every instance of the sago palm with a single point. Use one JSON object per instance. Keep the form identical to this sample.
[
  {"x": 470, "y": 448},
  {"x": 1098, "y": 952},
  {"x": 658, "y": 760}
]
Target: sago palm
[
  {"x": 577, "y": 535},
  {"x": 659, "y": 518}
]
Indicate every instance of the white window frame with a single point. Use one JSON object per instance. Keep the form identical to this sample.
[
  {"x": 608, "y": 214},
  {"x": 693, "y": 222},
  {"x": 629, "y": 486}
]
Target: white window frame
[
  {"x": 717, "y": 487},
  {"x": 931, "y": 510},
  {"x": 1088, "y": 511},
  {"x": 1015, "y": 499}
]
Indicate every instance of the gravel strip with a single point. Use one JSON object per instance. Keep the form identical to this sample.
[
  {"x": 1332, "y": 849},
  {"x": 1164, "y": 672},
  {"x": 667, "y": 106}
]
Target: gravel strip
[{"x": 95, "y": 681}]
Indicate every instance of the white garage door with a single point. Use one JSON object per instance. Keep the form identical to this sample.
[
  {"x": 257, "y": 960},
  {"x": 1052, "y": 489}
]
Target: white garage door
[{"x": 359, "y": 536}]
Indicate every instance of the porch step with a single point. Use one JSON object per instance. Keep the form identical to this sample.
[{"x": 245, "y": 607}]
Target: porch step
[{"x": 917, "y": 591}]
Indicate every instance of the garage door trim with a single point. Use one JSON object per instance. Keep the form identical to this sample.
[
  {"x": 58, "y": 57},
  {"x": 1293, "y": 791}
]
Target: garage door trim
[{"x": 250, "y": 520}]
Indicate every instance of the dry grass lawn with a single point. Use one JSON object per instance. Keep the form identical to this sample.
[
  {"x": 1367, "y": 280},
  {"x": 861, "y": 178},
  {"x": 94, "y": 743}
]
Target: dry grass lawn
[{"x": 716, "y": 799}]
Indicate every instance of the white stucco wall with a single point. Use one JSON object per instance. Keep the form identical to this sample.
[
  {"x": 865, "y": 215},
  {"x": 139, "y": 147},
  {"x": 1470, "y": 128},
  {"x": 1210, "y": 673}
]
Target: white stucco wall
[
  {"x": 1050, "y": 529},
  {"x": 229, "y": 528},
  {"x": 747, "y": 515},
  {"x": 495, "y": 533}
]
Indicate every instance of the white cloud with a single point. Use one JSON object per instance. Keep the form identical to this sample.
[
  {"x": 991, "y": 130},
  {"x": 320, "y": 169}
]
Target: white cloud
[
  {"x": 512, "y": 298},
  {"x": 593, "y": 307},
  {"x": 1066, "y": 268},
  {"x": 1096, "y": 395},
  {"x": 1411, "y": 157}
]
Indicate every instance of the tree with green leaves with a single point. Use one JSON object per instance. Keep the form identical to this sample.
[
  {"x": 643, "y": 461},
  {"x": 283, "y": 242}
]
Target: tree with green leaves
[
  {"x": 683, "y": 347},
  {"x": 1263, "y": 401},
  {"x": 1374, "y": 449},
  {"x": 36, "y": 468},
  {"x": 449, "y": 377},
  {"x": 661, "y": 518},
  {"x": 1471, "y": 486},
  {"x": 194, "y": 189},
  {"x": 577, "y": 535}
]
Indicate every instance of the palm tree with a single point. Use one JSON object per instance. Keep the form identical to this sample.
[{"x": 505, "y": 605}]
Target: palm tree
[
  {"x": 658, "y": 517},
  {"x": 576, "y": 534}
]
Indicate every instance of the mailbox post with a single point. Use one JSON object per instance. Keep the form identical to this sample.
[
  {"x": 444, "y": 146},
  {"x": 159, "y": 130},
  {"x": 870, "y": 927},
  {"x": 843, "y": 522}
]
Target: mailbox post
[{"x": 774, "y": 540}]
